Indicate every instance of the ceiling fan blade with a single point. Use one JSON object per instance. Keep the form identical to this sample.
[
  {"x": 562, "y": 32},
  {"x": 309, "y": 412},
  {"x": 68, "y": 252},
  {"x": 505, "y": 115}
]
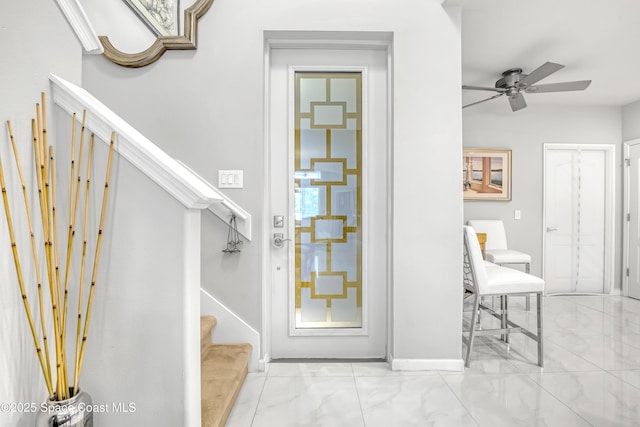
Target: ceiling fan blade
[
  {"x": 559, "y": 87},
  {"x": 539, "y": 73},
  {"x": 517, "y": 102},
  {"x": 484, "y": 100},
  {"x": 491, "y": 89}
]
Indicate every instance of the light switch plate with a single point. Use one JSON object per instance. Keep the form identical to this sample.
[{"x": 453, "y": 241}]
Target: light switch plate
[{"x": 230, "y": 179}]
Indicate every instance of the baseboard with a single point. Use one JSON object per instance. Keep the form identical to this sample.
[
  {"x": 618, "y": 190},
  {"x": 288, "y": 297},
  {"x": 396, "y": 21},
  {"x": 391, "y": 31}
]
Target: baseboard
[
  {"x": 456, "y": 365},
  {"x": 263, "y": 363}
]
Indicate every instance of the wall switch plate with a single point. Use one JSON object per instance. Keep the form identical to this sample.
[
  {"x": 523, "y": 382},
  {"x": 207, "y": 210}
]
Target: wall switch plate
[
  {"x": 230, "y": 179},
  {"x": 517, "y": 214}
]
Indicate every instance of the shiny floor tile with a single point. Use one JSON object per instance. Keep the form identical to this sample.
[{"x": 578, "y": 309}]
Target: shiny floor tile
[
  {"x": 599, "y": 397},
  {"x": 310, "y": 370},
  {"x": 591, "y": 377},
  {"x": 382, "y": 369},
  {"x": 523, "y": 354},
  {"x": 508, "y": 400},
  {"x": 629, "y": 377},
  {"x": 247, "y": 401},
  {"x": 308, "y": 401},
  {"x": 410, "y": 401}
]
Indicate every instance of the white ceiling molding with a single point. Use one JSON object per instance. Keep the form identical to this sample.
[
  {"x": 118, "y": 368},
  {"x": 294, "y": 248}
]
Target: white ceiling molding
[{"x": 80, "y": 24}]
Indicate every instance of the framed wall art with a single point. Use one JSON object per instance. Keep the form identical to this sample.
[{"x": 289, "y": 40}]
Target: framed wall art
[
  {"x": 161, "y": 16},
  {"x": 486, "y": 174}
]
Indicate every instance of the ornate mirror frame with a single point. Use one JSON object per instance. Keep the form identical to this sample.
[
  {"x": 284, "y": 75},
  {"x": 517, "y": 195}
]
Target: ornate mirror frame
[{"x": 187, "y": 41}]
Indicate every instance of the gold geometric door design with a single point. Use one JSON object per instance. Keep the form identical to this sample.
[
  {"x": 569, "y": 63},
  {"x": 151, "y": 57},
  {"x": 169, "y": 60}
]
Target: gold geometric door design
[{"x": 328, "y": 200}]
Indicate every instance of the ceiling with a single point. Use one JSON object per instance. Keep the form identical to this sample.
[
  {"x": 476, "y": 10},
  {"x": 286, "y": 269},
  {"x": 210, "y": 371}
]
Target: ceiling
[{"x": 596, "y": 40}]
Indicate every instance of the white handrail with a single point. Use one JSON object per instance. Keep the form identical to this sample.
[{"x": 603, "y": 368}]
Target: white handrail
[
  {"x": 177, "y": 179},
  {"x": 243, "y": 218},
  {"x": 174, "y": 176}
]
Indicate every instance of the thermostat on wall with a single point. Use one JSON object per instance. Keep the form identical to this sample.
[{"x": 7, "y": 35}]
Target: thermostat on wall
[{"x": 230, "y": 179}]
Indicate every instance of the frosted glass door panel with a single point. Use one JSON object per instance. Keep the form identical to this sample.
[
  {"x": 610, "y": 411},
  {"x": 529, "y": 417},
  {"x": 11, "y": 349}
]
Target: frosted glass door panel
[{"x": 327, "y": 200}]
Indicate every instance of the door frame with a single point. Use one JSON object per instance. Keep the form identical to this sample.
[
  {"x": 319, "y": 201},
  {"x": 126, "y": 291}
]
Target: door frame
[
  {"x": 609, "y": 222},
  {"x": 626, "y": 209},
  {"x": 321, "y": 40}
]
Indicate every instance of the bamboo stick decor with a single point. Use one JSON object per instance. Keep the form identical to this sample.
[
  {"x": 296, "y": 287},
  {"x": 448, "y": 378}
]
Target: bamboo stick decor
[{"x": 58, "y": 262}]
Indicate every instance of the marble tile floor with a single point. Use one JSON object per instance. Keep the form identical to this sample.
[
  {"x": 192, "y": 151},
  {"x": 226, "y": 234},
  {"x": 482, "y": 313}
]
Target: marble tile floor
[{"x": 591, "y": 377}]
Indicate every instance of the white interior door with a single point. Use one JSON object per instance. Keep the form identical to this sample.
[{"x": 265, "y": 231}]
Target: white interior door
[
  {"x": 633, "y": 219},
  {"x": 578, "y": 218},
  {"x": 328, "y": 193}
]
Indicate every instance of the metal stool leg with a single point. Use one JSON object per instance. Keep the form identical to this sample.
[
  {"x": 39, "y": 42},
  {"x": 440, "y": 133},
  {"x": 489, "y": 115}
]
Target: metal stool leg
[
  {"x": 503, "y": 318},
  {"x": 539, "y": 325},
  {"x": 528, "y": 302},
  {"x": 476, "y": 308}
]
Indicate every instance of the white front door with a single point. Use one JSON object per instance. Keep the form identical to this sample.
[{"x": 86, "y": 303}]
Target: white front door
[
  {"x": 329, "y": 196},
  {"x": 632, "y": 201},
  {"x": 578, "y": 218}
]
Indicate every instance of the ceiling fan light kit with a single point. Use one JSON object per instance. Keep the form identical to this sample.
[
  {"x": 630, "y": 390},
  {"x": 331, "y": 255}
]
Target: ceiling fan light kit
[{"x": 513, "y": 82}]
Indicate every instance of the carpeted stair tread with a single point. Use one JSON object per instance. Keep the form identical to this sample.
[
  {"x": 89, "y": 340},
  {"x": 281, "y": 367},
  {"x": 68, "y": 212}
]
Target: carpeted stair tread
[
  {"x": 207, "y": 323},
  {"x": 224, "y": 368}
]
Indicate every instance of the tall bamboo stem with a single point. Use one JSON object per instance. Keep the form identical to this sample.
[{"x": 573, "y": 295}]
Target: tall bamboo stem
[
  {"x": 70, "y": 229},
  {"x": 82, "y": 264},
  {"x": 96, "y": 258},
  {"x": 63, "y": 359},
  {"x": 73, "y": 208},
  {"x": 49, "y": 252},
  {"x": 44, "y": 120},
  {"x": 36, "y": 157},
  {"x": 73, "y": 163},
  {"x": 43, "y": 194},
  {"x": 41, "y": 166},
  {"x": 23, "y": 292},
  {"x": 38, "y": 136},
  {"x": 34, "y": 249},
  {"x": 52, "y": 209}
]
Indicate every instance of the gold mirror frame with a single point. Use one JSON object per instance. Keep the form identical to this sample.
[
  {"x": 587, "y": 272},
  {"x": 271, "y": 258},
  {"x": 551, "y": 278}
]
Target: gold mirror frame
[{"x": 187, "y": 41}]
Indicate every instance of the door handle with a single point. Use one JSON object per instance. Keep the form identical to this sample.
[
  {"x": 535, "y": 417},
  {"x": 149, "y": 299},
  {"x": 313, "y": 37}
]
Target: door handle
[
  {"x": 278, "y": 240},
  {"x": 549, "y": 229}
]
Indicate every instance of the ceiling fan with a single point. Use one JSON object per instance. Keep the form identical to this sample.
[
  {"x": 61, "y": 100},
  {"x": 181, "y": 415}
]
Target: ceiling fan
[{"x": 514, "y": 82}]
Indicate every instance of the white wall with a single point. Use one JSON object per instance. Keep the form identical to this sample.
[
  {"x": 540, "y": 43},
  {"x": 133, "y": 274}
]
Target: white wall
[
  {"x": 493, "y": 125},
  {"x": 206, "y": 108},
  {"x": 631, "y": 121},
  {"x": 35, "y": 39}
]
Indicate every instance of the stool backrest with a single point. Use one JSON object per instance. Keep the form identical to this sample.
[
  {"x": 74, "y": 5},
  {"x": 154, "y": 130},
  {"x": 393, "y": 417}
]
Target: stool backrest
[
  {"x": 494, "y": 229},
  {"x": 475, "y": 275}
]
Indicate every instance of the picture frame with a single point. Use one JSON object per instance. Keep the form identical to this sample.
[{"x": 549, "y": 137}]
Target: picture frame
[
  {"x": 161, "y": 16},
  {"x": 486, "y": 174}
]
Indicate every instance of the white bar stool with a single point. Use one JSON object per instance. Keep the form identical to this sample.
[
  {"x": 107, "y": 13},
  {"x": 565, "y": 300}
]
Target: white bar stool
[{"x": 496, "y": 249}]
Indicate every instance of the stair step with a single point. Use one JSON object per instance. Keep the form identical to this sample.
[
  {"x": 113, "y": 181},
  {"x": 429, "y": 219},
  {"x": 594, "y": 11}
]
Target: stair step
[
  {"x": 207, "y": 323},
  {"x": 224, "y": 368}
]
